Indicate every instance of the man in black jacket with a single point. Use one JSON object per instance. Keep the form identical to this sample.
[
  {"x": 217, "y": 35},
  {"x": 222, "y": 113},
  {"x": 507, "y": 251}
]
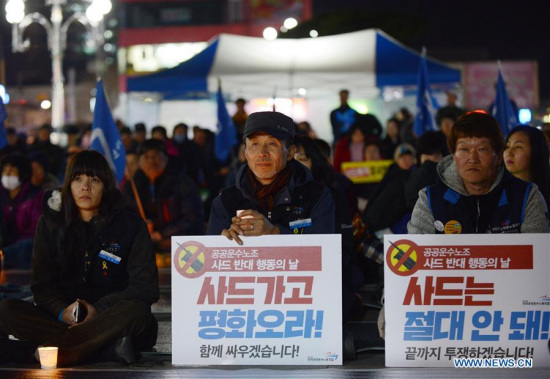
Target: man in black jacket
[{"x": 276, "y": 194}]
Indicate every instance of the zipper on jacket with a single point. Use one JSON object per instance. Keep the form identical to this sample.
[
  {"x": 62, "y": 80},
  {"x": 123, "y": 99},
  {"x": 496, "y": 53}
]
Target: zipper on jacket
[
  {"x": 269, "y": 215},
  {"x": 86, "y": 263}
]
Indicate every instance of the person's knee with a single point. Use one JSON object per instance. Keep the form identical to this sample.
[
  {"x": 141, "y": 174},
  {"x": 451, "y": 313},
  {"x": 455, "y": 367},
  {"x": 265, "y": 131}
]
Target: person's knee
[
  {"x": 9, "y": 307},
  {"x": 135, "y": 313},
  {"x": 135, "y": 307},
  {"x": 11, "y": 310}
]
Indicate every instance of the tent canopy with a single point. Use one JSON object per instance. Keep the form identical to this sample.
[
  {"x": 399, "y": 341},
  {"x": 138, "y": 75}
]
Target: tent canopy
[{"x": 254, "y": 67}]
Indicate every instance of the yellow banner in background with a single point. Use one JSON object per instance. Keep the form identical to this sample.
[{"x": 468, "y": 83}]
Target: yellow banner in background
[{"x": 367, "y": 171}]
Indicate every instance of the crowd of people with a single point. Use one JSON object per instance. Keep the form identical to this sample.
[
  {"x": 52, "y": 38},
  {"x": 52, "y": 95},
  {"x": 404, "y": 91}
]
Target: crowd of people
[{"x": 91, "y": 242}]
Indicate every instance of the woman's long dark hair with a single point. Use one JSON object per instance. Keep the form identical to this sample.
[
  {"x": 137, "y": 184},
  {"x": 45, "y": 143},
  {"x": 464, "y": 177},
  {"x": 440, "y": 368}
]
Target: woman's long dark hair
[
  {"x": 539, "y": 168},
  {"x": 321, "y": 170},
  {"x": 89, "y": 163}
]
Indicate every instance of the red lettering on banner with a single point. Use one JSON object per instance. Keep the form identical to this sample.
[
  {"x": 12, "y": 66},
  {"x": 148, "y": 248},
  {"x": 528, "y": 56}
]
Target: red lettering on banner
[
  {"x": 473, "y": 288},
  {"x": 275, "y": 289},
  {"x": 207, "y": 292},
  {"x": 308, "y": 287},
  {"x": 440, "y": 290},
  {"x": 241, "y": 290},
  {"x": 447, "y": 290}
]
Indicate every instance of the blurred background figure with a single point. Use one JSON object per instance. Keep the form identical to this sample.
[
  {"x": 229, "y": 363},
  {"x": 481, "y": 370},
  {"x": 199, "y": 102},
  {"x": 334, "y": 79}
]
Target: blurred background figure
[
  {"x": 304, "y": 129},
  {"x": 159, "y": 132},
  {"x": 526, "y": 157},
  {"x": 16, "y": 143},
  {"x": 55, "y": 154},
  {"x": 432, "y": 147},
  {"x": 169, "y": 199},
  {"x": 191, "y": 155},
  {"x": 351, "y": 147},
  {"x": 239, "y": 118},
  {"x": 132, "y": 165},
  {"x": 386, "y": 207},
  {"x": 127, "y": 140},
  {"x": 234, "y": 166},
  {"x": 392, "y": 138},
  {"x": 450, "y": 110},
  {"x": 41, "y": 177},
  {"x": 342, "y": 118},
  {"x": 21, "y": 203},
  {"x": 372, "y": 151},
  {"x": 344, "y": 183},
  {"x": 85, "y": 138},
  {"x": 140, "y": 133},
  {"x": 406, "y": 121}
]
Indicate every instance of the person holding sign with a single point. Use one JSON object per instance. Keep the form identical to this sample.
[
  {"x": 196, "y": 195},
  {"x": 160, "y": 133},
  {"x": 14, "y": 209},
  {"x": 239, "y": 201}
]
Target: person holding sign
[
  {"x": 273, "y": 194},
  {"x": 94, "y": 275},
  {"x": 476, "y": 194}
]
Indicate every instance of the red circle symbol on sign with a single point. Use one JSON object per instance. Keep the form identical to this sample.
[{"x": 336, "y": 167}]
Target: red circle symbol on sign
[
  {"x": 403, "y": 257},
  {"x": 191, "y": 259}
]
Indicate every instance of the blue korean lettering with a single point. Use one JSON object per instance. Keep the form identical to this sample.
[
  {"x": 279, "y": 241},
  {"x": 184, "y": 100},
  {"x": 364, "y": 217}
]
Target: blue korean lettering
[
  {"x": 529, "y": 325},
  {"x": 482, "y": 320},
  {"x": 456, "y": 325},
  {"x": 419, "y": 326}
]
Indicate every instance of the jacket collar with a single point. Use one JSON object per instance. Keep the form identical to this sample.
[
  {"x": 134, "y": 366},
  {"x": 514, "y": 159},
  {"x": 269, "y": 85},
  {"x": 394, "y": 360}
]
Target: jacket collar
[{"x": 300, "y": 175}]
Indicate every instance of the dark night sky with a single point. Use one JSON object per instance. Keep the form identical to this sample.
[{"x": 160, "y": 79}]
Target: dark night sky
[
  {"x": 463, "y": 30},
  {"x": 473, "y": 30}
]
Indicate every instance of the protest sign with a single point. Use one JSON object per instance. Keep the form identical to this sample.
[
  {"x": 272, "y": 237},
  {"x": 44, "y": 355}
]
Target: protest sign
[
  {"x": 472, "y": 296},
  {"x": 366, "y": 171},
  {"x": 276, "y": 300}
]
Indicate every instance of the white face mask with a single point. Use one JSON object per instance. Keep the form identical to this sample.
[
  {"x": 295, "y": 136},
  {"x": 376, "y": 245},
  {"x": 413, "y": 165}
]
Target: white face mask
[{"x": 10, "y": 182}]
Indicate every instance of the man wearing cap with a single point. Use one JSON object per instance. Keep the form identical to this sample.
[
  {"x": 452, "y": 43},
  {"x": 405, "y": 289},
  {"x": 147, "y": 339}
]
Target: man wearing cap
[
  {"x": 274, "y": 194},
  {"x": 475, "y": 194},
  {"x": 169, "y": 198}
]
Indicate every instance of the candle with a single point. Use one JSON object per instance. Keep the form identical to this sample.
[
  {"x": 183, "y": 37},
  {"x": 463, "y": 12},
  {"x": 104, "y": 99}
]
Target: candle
[{"x": 48, "y": 357}]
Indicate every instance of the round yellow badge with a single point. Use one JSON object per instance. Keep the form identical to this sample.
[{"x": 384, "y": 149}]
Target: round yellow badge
[{"x": 453, "y": 227}]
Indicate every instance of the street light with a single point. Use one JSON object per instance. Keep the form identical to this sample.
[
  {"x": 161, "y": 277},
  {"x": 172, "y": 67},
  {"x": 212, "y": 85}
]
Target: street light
[{"x": 56, "y": 30}]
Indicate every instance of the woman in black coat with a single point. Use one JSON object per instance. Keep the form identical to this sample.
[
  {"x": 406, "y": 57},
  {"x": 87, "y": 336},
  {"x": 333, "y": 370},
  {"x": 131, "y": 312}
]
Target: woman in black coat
[{"x": 92, "y": 258}]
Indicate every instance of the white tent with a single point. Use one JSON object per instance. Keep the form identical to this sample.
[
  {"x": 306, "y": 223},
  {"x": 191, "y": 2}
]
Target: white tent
[{"x": 249, "y": 67}]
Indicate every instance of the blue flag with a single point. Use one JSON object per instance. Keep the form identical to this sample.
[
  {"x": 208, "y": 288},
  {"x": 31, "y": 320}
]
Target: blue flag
[
  {"x": 3, "y": 116},
  {"x": 503, "y": 110},
  {"x": 425, "y": 104},
  {"x": 226, "y": 137},
  {"x": 105, "y": 136}
]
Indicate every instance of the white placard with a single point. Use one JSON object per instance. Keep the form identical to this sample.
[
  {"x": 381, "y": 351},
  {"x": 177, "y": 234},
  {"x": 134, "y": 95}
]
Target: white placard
[
  {"x": 467, "y": 296},
  {"x": 276, "y": 300}
]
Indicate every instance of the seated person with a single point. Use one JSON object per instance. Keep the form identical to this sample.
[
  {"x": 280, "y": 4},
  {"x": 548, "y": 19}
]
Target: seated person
[
  {"x": 432, "y": 147},
  {"x": 526, "y": 157},
  {"x": 91, "y": 253},
  {"x": 169, "y": 199},
  {"x": 272, "y": 189},
  {"x": 476, "y": 193},
  {"x": 21, "y": 205}
]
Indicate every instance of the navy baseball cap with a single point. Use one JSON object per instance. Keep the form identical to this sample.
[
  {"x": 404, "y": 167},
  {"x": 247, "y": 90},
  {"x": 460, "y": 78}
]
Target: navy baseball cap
[{"x": 276, "y": 124}]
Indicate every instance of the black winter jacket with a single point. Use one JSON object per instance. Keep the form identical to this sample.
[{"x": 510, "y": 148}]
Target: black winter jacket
[
  {"x": 93, "y": 274},
  {"x": 301, "y": 199}
]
